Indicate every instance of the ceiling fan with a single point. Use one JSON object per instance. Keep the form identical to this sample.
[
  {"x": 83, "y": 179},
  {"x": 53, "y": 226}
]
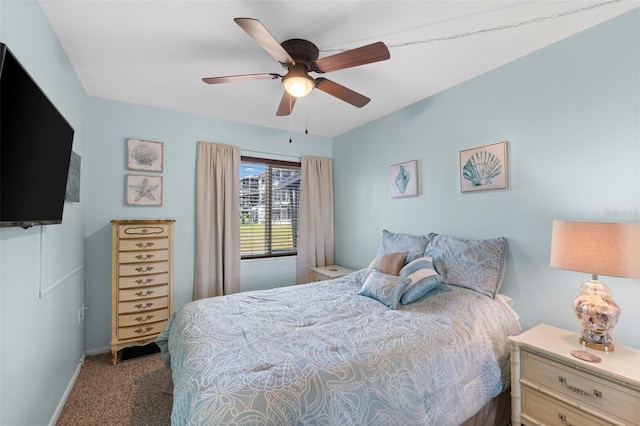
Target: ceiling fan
[{"x": 300, "y": 57}]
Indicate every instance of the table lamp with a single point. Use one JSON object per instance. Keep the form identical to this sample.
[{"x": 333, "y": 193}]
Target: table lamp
[{"x": 596, "y": 248}]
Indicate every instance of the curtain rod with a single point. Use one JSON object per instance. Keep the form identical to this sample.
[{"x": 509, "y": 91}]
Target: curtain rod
[{"x": 270, "y": 153}]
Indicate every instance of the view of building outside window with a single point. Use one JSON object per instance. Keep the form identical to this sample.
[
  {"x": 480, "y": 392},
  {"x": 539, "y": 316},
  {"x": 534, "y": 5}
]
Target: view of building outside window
[{"x": 269, "y": 203}]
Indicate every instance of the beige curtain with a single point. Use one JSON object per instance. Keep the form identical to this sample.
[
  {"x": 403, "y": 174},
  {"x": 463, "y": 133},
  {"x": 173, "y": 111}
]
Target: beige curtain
[
  {"x": 315, "y": 226},
  {"x": 217, "y": 251}
]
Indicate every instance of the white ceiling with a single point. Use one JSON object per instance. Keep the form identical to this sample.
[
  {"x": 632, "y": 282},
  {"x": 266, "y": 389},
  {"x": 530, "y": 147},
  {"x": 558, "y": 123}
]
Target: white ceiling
[{"x": 156, "y": 52}]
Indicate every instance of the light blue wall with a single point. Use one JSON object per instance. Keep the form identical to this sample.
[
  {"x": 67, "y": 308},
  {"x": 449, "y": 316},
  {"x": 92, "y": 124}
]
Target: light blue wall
[
  {"x": 571, "y": 116},
  {"x": 570, "y": 112},
  {"x": 41, "y": 341},
  {"x": 111, "y": 123}
]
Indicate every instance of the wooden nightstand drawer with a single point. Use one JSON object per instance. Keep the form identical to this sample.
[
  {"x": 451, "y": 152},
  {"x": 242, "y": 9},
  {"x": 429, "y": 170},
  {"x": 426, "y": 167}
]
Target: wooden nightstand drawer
[
  {"x": 548, "y": 411},
  {"x": 583, "y": 388},
  {"x": 141, "y": 330}
]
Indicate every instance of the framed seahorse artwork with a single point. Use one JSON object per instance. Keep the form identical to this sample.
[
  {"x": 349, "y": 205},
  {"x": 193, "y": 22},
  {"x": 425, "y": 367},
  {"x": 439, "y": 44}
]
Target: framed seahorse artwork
[{"x": 403, "y": 179}]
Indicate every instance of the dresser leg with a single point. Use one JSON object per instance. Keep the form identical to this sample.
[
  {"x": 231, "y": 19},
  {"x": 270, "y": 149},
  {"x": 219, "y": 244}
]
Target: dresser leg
[
  {"x": 114, "y": 355},
  {"x": 515, "y": 386}
]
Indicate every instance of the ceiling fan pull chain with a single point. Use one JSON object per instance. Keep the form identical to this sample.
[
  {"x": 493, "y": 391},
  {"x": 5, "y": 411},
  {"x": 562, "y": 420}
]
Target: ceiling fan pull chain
[
  {"x": 306, "y": 115},
  {"x": 290, "y": 119}
]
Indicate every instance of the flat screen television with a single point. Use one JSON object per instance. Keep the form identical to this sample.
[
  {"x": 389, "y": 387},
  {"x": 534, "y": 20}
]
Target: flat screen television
[{"x": 35, "y": 149}]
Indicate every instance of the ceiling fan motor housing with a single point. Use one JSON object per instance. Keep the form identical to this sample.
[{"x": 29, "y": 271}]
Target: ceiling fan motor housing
[{"x": 302, "y": 51}]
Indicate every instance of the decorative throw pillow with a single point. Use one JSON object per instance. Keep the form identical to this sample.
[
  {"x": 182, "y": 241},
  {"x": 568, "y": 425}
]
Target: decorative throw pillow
[
  {"x": 423, "y": 278},
  {"x": 388, "y": 263},
  {"x": 394, "y": 242},
  {"x": 384, "y": 288},
  {"x": 475, "y": 264}
]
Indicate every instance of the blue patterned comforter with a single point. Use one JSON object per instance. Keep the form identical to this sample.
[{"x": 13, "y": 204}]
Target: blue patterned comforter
[{"x": 321, "y": 354}]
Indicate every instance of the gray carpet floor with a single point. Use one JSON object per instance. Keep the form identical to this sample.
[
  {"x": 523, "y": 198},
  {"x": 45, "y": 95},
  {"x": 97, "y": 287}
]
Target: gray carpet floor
[{"x": 132, "y": 392}]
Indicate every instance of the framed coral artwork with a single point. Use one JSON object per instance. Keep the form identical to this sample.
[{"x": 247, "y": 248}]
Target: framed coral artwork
[
  {"x": 403, "y": 179},
  {"x": 484, "y": 167},
  {"x": 144, "y": 155},
  {"x": 72, "y": 191}
]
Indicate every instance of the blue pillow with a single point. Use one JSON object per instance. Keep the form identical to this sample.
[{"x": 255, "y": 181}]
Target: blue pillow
[
  {"x": 395, "y": 242},
  {"x": 384, "y": 288},
  {"x": 423, "y": 278},
  {"x": 475, "y": 264}
]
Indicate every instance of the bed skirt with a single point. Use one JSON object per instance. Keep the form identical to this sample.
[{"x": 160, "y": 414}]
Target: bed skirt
[{"x": 496, "y": 412}]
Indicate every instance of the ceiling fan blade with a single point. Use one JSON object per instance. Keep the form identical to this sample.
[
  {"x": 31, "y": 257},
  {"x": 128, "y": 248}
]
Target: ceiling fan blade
[
  {"x": 351, "y": 58},
  {"x": 286, "y": 104},
  {"x": 341, "y": 92},
  {"x": 244, "y": 77},
  {"x": 263, "y": 37}
]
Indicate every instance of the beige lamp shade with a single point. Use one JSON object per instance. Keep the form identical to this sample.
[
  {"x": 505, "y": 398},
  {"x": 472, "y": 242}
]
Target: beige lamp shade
[{"x": 597, "y": 248}]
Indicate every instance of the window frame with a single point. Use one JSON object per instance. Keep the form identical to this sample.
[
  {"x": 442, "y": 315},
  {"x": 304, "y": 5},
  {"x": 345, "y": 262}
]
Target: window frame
[{"x": 271, "y": 163}]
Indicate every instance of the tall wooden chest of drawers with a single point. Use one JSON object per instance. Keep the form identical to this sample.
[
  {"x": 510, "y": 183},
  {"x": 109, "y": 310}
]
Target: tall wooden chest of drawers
[{"x": 142, "y": 281}]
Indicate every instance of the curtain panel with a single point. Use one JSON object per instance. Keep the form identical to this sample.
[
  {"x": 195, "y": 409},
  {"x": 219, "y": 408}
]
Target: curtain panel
[
  {"x": 217, "y": 239},
  {"x": 315, "y": 226}
]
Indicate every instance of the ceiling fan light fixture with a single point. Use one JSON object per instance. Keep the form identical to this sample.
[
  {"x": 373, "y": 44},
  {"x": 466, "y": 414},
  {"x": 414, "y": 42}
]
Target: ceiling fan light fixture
[{"x": 298, "y": 83}]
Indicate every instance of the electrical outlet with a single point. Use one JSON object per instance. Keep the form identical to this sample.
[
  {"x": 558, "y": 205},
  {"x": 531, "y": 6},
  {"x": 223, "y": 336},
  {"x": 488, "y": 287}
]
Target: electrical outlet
[{"x": 81, "y": 314}]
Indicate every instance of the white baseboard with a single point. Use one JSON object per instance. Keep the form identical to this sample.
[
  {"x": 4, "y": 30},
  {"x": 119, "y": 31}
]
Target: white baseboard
[{"x": 67, "y": 392}]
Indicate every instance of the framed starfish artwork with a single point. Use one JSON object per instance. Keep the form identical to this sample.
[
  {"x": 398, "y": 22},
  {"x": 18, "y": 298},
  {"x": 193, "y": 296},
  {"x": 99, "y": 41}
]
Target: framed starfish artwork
[
  {"x": 403, "y": 179},
  {"x": 143, "y": 190}
]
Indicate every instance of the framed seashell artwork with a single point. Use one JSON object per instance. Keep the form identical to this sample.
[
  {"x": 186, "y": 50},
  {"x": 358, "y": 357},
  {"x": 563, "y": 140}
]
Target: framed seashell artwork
[
  {"x": 143, "y": 190},
  {"x": 484, "y": 167},
  {"x": 403, "y": 179},
  {"x": 144, "y": 155}
]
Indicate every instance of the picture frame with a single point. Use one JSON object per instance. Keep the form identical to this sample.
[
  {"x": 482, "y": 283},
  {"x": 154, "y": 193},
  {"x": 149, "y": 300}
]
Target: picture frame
[
  {"x": 143, "y": 190},
  {"x": 403, "y": 179},
  {"x": 484, "y": 167},
  {"x": 72, "y": 190},
  {"x": 145, "y": 155}
]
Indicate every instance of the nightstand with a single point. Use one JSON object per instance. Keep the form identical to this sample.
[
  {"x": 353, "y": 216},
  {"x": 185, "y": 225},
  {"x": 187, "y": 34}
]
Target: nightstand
[
  {"x": 551, "y": 387},
  {"x": 321, "y": 273}
]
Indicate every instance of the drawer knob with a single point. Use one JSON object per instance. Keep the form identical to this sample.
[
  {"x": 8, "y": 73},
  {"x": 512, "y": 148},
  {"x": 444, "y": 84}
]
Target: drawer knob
[
  {"x": 595, "y": 395},
  {"x": 147, "y": 244},
  {"x": 147, "y": 269},
  {"x": 141, "y": 281},
  {"x": 146, "y": 293},
  {"x": 563, "y": 419},
  {"x": 146, "y": 305},
  {"x": 146, "y": 330}
]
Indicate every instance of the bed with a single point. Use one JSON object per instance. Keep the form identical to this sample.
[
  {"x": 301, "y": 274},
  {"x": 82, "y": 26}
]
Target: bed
[{"x": 325, "y": 353}]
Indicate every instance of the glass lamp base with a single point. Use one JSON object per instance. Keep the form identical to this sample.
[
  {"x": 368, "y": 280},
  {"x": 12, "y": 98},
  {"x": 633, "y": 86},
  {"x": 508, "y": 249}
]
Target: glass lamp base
[
  {"x": 598, "y": 314},
  {"x": 598, "y": 346}
]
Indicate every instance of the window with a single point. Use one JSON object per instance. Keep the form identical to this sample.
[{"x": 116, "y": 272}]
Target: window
[{"x": 269, "y": 204}]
